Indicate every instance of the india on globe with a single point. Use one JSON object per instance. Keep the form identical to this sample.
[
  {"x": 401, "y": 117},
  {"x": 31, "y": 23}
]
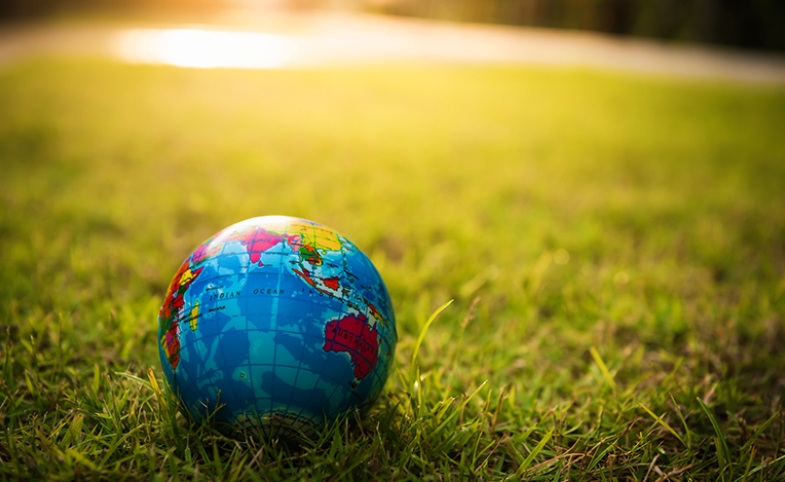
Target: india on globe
[{"x": 276, "y": 323}]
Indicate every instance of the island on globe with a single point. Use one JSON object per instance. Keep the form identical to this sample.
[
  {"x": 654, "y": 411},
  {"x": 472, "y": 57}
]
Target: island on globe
[{"x": 276, "y": 323}]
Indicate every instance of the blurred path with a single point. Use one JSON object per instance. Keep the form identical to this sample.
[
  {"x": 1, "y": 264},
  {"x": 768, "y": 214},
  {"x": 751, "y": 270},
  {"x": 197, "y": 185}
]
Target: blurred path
[{"x": 326, "y": 38}]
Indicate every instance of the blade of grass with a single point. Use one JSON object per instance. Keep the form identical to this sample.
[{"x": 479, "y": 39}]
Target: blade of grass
[
  {"x": 425, "y": 329},
  {"x": 459, "y": 407},
  {"x": 757, "y": 433},
  {"x": 157, "y": 389},
  {"x": 603, "y": 368},
  {"x": 763, "y": 466},
  {"x": 687, "y": 432},
  {"x": 530, "y": 458},
  {"x": 416, "y": 351},
  {"x": 665, "y": 424},
  {"x": 720, "y": 441}
]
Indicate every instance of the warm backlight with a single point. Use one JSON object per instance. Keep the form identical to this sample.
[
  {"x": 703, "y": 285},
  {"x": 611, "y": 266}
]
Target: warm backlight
[{"x": 204, "y": 49}]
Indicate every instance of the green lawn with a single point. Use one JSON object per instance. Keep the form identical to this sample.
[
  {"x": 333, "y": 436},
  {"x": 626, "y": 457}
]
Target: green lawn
[{"x": 614, "y": 244}]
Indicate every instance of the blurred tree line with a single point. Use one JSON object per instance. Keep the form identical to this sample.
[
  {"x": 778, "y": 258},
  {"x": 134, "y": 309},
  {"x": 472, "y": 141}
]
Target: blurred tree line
[
  {"x": 757, "y": 24},
  {"x": 13, "y": 10}
]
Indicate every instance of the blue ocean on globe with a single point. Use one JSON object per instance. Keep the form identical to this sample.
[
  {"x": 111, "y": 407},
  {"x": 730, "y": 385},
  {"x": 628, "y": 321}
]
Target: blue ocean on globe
[{"x": 277, "y": 323}]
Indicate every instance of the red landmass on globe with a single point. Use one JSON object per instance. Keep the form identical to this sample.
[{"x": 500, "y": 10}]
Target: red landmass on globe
[
  {"x": 331, "y": 283},
  {"x": 173, "y": 302},
  {"x": 259, "y": 241},
  {"x": 201, "y": 253},
  {"x": 352, "y": 335},
  {"x": 306, "y": 276},
  {"x": 172, "y": 346}
]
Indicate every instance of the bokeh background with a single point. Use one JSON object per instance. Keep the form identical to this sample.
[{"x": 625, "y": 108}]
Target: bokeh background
[{"x": 758, "y": 24}]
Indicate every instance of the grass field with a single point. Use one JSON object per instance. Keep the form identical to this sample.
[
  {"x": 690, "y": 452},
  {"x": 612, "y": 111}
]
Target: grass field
[{"x": 614, "y": 244}]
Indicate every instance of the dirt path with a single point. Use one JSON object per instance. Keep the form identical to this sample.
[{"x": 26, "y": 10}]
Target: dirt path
[{"x": 313, "y": 39}]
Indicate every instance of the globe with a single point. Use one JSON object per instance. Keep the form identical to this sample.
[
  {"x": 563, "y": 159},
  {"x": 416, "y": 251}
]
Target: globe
[{"x": 279, "y": 324}]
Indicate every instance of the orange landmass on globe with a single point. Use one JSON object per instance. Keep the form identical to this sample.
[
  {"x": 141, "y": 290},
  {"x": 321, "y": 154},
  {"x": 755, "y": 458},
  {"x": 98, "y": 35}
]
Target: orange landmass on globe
[
  {"x": 308, "y": 253},
  {"x": 328, "y": 286}
]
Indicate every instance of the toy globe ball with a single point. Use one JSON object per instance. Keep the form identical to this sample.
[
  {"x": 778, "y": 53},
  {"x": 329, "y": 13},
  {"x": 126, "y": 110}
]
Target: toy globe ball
[{"x": 276, "y": 323}]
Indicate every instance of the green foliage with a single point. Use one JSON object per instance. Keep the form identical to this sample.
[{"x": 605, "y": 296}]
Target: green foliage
[{"x": 614, "y": 244}]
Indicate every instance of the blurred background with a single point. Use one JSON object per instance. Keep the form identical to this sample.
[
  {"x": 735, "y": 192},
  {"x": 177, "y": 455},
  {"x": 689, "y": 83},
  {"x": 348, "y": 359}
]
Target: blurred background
[
  {"x": 602, "y": 200},
  {"x": 751, "y": 24}
]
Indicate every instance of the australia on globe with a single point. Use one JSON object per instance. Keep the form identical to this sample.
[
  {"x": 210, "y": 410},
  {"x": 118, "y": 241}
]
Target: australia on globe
[{"x": 276, "y": 323}]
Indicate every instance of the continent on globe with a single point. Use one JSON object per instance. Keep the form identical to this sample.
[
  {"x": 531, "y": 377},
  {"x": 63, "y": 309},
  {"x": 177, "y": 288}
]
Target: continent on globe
[
  {"x": 172, "y": 309},
  {"x": 306, "y": 239},
  {"x": 204, "y": 251},
  {"x": 257, "y": 241},
  {"x": 351, "y": 334}
]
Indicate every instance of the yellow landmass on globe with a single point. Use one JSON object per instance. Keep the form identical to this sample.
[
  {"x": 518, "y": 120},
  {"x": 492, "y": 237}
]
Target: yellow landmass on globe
[
  {"x": 317, "y": 236},
  {"x": 187, "y": 277},
  {"x": 194, "y": 316}
]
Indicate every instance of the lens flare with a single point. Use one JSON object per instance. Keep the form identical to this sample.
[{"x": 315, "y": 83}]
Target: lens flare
[{"x": 204, "y": 49}]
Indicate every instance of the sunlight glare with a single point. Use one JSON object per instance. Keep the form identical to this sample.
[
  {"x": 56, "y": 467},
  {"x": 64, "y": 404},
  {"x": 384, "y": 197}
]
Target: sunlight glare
[{"x": 205, "y": 49}]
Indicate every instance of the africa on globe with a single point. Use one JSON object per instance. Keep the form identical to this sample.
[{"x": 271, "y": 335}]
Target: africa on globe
[{"x": 276, "y": 323}]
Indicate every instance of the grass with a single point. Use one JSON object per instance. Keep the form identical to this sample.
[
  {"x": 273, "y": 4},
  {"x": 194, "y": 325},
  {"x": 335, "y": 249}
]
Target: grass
[{"x": 614, "y": 245}]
